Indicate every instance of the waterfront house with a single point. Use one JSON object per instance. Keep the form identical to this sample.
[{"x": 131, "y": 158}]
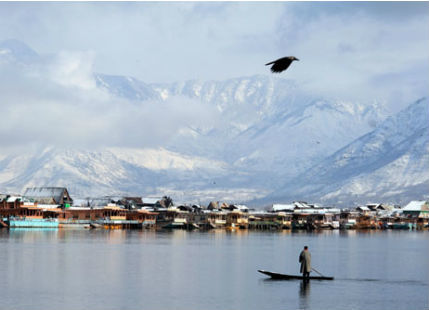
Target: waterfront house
[
  {"x": 366, "y": 221},
  {"x": 269, "y": 220},
  {"x": 417, "y": 212},
  {"x": 326, "y": 220},
  {"x": 217, "y": 219},
  {"x": 348, "y": 219},
  {"x": 10, "y": 202},
  {"x": 93, "y": 214},
  {"x": 364, "y": 210},
  {"x": 182, "y": 217},
  {"x": 416, "y": 209},
  {"x": 237, "y": 219},
  {"x": 145, "y": 218},
  {"x": 285, "y": 220},
  {"x": 301, "y": 220},
  {"x": 49, "y": 196},
  {"x": 108, "y": 217}
]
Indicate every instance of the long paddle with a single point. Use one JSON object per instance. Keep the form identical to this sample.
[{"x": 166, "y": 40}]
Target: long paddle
[{"x": 317, "y": 272}]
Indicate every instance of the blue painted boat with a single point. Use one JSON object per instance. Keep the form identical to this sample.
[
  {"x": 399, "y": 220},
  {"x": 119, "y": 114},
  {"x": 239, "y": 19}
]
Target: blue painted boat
[
  {"x": 401, "y": 226},
  {"x": 28, "y": 222}
]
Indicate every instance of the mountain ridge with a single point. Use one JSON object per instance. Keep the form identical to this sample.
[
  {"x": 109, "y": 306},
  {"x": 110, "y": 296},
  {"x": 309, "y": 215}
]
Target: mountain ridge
[
  {"x": 372, "y": 154},
  {"x": 265, "y": 130}
]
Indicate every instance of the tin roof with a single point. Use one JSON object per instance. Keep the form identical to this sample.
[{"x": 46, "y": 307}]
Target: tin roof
[
  {"x": 45, "y": 194},
  {"x": 414, "y": 206}
]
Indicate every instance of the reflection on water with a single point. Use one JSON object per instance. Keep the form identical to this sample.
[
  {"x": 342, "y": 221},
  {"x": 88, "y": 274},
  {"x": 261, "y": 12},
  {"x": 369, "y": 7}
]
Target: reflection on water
[
  {"x": 304, "y": 294},
  {"x": 120, "y": 269}
]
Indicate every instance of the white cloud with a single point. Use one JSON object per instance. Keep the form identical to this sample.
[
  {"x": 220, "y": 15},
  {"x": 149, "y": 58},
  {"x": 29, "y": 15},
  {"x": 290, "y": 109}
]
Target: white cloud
[
  {"x": 56, "y": 102},
  {"x": 73, "y": 69},
  {"x": 346, "y": 48}
]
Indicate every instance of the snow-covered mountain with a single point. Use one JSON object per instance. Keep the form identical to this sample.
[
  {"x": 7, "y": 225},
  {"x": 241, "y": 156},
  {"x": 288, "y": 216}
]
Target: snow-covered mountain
[
  {"x": 110, "y": 170},
  {"x": 265, "y": 123},
  {"x": 264, "y": 130},
  {"x": 391, "y": 163}
]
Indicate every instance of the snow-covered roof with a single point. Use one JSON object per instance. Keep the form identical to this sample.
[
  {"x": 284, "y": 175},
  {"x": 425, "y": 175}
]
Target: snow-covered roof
[
  {"x": 317, "y": 211},
  {"x": 372, "y": 205},
  {"x": 13, "y": 198},
  {"x": 414, "y": 205},
  {"x": 150, "y": 200},
  {"x": 241, "y": 207},
  {"x": 364, "y": 208},
  {"x": 282, "y": 207},
  {"x": 301, "y": 205}
]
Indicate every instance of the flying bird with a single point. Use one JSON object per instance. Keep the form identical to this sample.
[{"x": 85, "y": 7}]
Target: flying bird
[{"x": 281, "y": 64}]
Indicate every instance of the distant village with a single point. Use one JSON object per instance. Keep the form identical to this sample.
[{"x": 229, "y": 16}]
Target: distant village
[{"x": 53, "y": 207}]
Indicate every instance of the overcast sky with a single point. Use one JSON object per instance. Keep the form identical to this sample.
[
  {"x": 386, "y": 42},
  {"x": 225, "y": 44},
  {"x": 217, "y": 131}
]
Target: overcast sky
[
  {"x": 347, "y": 49},
  {"x": 157, "y": 42}
]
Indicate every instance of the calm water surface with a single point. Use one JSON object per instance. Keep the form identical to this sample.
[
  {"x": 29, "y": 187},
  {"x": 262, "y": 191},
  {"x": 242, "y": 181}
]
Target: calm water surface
[{"x": 80, "y": 269}]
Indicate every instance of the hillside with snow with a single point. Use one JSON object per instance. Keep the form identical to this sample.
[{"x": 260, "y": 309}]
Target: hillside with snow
[
  {"x": 264, "y": 123},
  {"x": 391, "y": 163},
  {"x": 238, "y": 139}
]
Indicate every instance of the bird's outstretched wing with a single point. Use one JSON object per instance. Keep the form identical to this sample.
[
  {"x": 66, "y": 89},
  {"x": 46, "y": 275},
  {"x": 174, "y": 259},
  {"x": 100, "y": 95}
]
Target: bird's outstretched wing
[{"x": 280, "y": 66}]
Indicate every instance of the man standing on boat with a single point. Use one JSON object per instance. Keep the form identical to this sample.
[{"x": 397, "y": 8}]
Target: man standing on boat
[{"x": 305, "y": 260}]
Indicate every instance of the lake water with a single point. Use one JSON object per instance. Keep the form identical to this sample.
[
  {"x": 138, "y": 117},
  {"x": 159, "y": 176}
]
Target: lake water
[{"x": 100, "y": 269}]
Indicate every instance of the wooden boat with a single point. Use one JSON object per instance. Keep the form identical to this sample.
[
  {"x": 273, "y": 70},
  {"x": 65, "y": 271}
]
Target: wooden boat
[
  {"x": 281, "y": 276},
  {"x": 31, "y": 222}
]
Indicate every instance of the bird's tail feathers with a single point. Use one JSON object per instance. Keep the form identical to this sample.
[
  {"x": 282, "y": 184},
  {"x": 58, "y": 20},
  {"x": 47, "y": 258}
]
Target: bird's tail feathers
[{"x": 270, "y": 63}]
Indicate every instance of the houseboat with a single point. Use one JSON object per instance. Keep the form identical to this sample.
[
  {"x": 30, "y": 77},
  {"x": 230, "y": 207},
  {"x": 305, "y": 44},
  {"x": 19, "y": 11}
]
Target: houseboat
[
  {"x": 237, "y": 219},
  {"x": 30, "y": 222}
]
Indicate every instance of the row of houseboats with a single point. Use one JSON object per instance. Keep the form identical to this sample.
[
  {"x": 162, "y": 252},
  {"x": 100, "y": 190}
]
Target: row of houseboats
[
  {"x": 111, "y": 217},
  {"x": 52, "y": 207}
]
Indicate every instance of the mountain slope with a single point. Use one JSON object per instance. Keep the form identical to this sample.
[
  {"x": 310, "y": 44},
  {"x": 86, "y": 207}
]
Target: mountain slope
[
  {"x": 389, "y": 163},
  {"x": 262, "y": 121},
  {"x": 257, "y": 132},
  {"x": 112, "y": 170}
]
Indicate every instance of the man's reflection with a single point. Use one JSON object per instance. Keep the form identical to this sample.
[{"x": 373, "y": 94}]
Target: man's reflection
[{"x": 304, "y": 294}]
